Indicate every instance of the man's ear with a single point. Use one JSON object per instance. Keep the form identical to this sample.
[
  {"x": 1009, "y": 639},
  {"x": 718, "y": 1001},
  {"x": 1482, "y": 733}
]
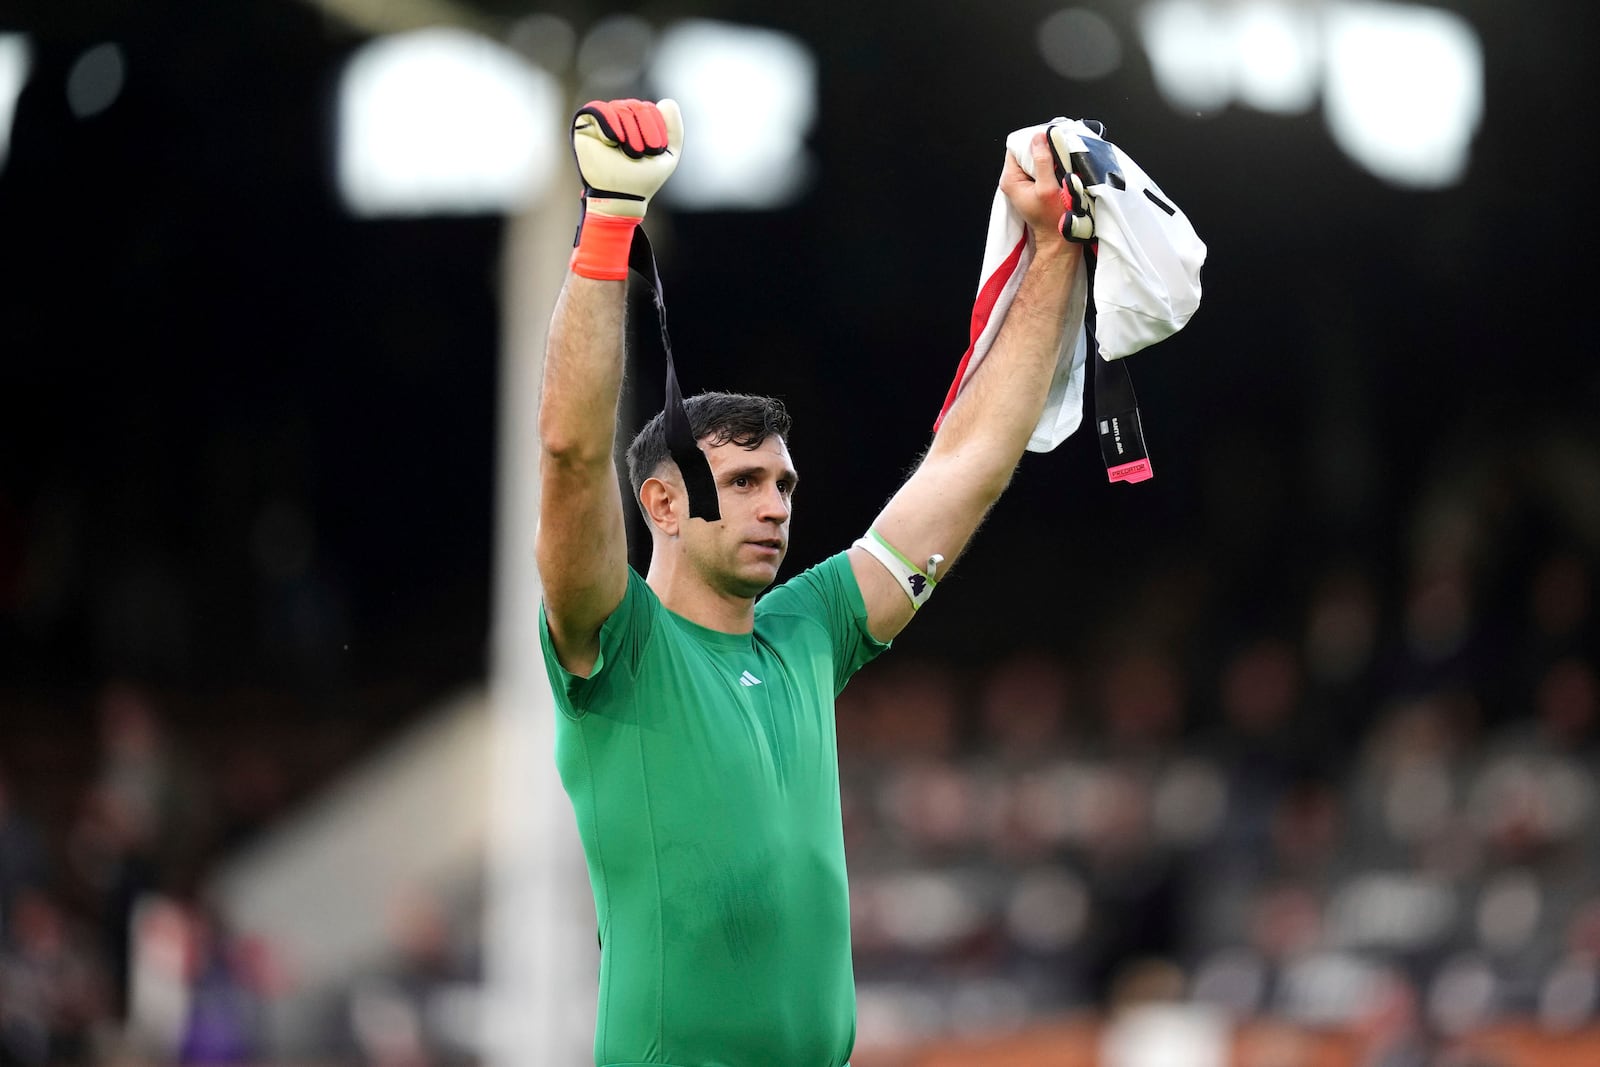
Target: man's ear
[{"x": 663, "y": 503}]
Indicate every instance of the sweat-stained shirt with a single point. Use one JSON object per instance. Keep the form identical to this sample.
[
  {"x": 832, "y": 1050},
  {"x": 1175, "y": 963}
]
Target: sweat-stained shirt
[{"x": 703, "y": 770}]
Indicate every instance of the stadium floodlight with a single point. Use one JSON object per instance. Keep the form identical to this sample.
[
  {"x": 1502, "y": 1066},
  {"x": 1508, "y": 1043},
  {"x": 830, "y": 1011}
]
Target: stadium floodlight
[
  {"x": 1404, "y": 90},
  {"x": 612, "y": 55},
  {"x": 747, "y": 148},
  {"x": 1080, "y": 44},
  {"x": 444, "y": 121},
  {"x": 96, "y": 80},
  {"x": 1279, "y": 62},
  {"x": 1264, "y": 53},
  {"x": 549, "y": 41},
  {"x": 1401, "y": 84},
  {"x": 15, "y": 59},
  {"x": 1190, "y": 45}
]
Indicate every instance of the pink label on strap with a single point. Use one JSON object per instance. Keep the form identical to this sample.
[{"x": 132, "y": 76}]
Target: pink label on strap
[{"x": 1137, "y": 471}]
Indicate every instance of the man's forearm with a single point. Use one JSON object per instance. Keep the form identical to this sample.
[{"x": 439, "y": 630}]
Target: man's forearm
[
  {"x": 624, "y": 149},
  {"x": 988, "y": 427},
  {"x": 583, "y": 371}
]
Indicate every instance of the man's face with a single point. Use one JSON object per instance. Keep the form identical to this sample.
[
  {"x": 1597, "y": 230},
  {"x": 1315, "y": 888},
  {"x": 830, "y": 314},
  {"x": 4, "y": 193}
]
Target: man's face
[{"x": 755, "y": 487}]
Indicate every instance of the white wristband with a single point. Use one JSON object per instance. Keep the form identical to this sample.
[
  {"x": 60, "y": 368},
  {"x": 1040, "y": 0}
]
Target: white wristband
[{"x": 913, "y": 582}]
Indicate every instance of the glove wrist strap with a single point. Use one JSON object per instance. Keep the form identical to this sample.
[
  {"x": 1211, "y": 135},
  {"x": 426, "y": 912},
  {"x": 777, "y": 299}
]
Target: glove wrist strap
[
  {"x": 1116, "y": 408},
  {"x": 601, "y": 251},
  {"x": 681, "y": 443}
]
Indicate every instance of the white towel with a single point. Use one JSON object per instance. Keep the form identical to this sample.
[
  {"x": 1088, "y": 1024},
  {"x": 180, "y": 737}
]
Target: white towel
[{"x": 1146, "y": 284}]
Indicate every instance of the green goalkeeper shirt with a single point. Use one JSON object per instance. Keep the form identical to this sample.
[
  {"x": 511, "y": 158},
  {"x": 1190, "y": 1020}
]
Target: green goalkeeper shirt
[{"x": 704, "y": 774}]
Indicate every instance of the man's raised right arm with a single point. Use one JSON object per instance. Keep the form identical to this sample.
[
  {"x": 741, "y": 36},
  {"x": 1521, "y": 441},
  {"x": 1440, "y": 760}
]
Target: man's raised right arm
[{"x": 625, "y": 150}]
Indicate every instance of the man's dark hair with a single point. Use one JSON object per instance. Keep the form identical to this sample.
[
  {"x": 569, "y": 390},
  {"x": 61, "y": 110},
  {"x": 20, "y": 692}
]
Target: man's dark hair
[{"x": 725, "y": 418}]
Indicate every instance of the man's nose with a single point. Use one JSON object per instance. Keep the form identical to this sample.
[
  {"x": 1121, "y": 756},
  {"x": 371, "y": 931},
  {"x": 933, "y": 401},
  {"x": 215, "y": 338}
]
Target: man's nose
[{"x": 774, "y": 505}]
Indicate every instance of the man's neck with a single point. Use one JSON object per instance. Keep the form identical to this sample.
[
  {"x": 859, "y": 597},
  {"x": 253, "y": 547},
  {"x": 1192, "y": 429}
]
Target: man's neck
[{"x": 682, "y": 592}]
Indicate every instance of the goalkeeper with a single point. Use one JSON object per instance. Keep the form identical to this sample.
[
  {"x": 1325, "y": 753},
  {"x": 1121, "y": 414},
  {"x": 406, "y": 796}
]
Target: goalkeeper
[{"x": 696, "y": 731}]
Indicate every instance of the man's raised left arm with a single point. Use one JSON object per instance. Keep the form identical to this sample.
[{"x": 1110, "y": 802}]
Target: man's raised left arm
[{"x": 986, "y": 430}]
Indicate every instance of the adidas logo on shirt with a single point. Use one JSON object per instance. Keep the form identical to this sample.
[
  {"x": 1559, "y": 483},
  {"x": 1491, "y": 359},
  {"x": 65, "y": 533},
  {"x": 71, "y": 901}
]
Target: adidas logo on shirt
[{"x": 748, "y": 679}]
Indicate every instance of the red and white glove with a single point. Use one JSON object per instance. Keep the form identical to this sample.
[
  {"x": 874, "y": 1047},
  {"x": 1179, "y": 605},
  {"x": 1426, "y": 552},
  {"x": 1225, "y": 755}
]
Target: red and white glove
[
  {"x": 1077, "y": 214},
  {"x": 1077, "y": 218},
  {"x": 626, "y": 150}
]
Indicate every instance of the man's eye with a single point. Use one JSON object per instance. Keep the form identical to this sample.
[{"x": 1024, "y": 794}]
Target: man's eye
[{"x": 741, "y": 481}]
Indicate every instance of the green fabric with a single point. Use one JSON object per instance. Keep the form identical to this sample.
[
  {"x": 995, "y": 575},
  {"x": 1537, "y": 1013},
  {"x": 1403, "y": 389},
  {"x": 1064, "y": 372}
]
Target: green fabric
[{"x": 709, "y": 813}]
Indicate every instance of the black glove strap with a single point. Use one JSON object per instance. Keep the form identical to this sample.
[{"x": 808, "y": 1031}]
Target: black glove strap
[
  {"x": 1116, "y": 409},
  {"x": 685, "y": 450}
]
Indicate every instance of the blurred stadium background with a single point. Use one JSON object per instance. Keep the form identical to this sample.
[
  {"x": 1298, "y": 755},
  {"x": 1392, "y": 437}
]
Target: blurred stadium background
[{"x": 1284, "y": 759}]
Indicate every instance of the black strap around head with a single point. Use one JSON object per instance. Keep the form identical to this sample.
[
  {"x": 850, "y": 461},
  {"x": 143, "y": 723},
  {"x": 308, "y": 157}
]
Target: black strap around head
[
  {"x": 692, "y": 463},
  {"x": 1116, "y": 408}
]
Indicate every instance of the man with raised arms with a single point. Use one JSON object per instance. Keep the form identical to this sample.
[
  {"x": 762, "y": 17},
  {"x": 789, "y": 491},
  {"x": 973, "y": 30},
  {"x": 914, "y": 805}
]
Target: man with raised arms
[{"x": 696, "y": 732}]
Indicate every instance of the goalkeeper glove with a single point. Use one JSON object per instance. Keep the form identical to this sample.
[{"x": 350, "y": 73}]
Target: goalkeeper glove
[
  {"x": 1077, "y": 218},
  {"x": 626, "y": 150}
]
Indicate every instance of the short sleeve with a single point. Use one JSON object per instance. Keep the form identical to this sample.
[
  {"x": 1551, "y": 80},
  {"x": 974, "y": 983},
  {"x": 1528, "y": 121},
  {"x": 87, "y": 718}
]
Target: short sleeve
[
  {"x": 828, "y": 593},
  {"x": 623, "y": 638}
]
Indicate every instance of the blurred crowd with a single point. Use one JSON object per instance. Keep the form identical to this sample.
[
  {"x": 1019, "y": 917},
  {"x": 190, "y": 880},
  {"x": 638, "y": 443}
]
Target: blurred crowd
[
  {"x": 1381, "y": 814},
  {"x": 104, "y": 899},
  {"x": 112, "y": 949},
  {"x": 1374, "y": 807},
  {"x": 1325, "y": 826}
]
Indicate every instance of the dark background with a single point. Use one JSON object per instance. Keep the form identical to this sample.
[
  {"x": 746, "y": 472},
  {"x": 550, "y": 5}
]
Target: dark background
[
  {"x": 246, "y": 441},
  {"x": 247, "y": 474}
]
